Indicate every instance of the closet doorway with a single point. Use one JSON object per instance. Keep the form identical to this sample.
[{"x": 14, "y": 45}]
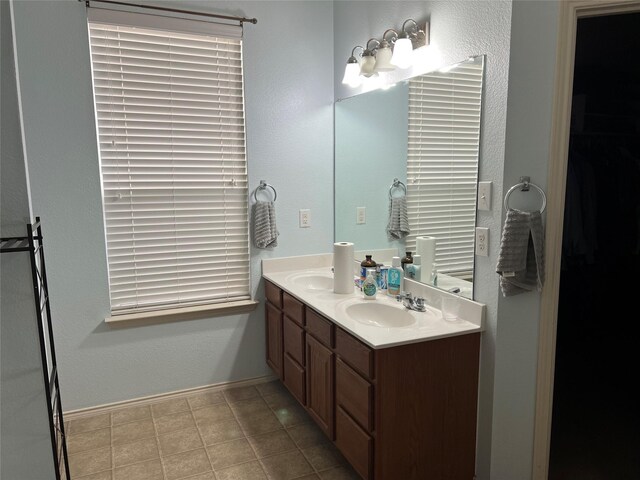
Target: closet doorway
[
  {"x": 589, "y": 324},
  {"x": 595, "y": 428}
]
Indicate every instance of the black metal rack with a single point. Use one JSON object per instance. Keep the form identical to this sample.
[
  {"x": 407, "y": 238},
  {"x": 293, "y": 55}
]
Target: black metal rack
[{"x": 32, "y": 243}]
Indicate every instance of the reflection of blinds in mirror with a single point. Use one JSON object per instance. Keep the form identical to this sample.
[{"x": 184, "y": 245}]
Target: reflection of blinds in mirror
[
  {"x": 170, "y": 113},
  {"x": 442, "y": 163}
]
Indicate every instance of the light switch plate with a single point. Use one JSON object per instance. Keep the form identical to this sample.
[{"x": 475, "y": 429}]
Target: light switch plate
[
  {"x": 482, "y": 241},
  {"x": 361, "y": 215},
  {"x": 484, "y": 195}
]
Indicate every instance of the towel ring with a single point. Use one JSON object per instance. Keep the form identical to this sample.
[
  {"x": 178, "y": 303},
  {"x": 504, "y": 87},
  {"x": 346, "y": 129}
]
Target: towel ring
[
  {"x": 524, "y": 187},
  {"x": 397, "y": 184},
  {"x": 263, "y": 186}
]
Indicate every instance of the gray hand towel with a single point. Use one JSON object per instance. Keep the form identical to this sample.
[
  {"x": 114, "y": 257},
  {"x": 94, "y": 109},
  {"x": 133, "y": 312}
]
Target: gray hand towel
[
  {"x": 398, "y": 226},
  {"x": 265, "y": 234},
  {"x": 521, "y": 258}
]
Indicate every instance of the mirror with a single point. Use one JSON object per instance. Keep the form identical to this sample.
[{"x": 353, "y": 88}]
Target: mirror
[{"x": 424, "y": 132}]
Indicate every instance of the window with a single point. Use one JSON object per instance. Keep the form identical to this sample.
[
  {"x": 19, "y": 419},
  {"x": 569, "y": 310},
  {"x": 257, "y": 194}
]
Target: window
[
  {"x": 170, "y": 120},
  {"x": 442, "y": 165}
]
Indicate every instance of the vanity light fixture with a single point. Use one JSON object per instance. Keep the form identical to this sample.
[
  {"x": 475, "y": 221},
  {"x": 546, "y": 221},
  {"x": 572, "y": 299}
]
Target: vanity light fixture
[
  {"x": 384, "y": 53},
  {"x": 352, "y": 70},
  {"x": 369, "y": 59},
  {"x": 394, "y": 51},
  {"x": 412, "y": 39}
]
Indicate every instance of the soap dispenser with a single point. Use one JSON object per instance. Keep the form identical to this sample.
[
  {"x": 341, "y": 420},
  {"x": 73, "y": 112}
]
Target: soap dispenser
[{"x": 370, "y": 285}]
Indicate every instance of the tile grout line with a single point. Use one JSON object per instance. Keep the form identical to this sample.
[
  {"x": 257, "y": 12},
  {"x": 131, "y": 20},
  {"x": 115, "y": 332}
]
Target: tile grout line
[
  {"x": 157, "y": 438},
  {"x": 191, "y": 410},
  {"x": 246, "y": 436},
  {"x": 204, "y": 445},
  {"x": 113, "y": 458},
  {"x": 292, "y": 439},
  {"x": 315, "y": 470}
]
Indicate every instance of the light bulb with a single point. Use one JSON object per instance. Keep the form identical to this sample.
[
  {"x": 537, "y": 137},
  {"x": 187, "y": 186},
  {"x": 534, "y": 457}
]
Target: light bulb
[
  {"x": 352, "y": 75},
  {"x": 368, "y": 64},
  {"x": 402, "y": 53},
  {"x": 383, "y": 59}
]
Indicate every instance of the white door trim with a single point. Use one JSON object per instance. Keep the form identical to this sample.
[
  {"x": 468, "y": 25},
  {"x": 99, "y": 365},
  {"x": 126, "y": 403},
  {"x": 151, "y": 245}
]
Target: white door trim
[{"x": 570, "y": 11}]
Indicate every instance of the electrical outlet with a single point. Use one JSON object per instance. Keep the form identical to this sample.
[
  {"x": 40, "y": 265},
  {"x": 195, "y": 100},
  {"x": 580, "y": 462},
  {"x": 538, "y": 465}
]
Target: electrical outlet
[
  {"x": 482, "y": 241},
  {"x": 361, "y": 215},
  {"x": 484, "y": 195},
  {"x": 305, "y": 218}
]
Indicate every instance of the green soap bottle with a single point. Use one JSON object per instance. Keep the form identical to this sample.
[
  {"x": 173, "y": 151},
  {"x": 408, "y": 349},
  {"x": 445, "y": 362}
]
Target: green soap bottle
[{"x": 394, "y": 278}]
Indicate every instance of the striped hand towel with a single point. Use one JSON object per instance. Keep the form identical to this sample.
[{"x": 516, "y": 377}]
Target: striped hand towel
[
  {"x": 398, "y": 226},
  {"x": 265, "y": 234},
  {"x": 521, "y": 258}
]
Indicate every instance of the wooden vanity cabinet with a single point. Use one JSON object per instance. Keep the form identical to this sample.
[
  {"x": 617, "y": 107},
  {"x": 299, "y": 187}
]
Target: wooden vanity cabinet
[{"x": 405, "y": 412}]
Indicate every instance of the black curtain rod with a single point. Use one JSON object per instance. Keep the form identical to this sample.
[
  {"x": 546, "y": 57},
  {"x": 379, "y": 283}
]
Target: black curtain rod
[{"x": 176, "y": 10}]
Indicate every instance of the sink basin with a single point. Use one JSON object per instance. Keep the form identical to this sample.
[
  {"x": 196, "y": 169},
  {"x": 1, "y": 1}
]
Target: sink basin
[
  {"x": 379, "y": 314},
  {"x": 313, "y": 282}
]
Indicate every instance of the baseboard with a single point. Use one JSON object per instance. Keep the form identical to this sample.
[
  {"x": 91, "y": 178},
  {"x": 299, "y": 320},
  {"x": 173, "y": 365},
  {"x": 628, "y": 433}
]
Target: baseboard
[{"x": 109, "y": 407}]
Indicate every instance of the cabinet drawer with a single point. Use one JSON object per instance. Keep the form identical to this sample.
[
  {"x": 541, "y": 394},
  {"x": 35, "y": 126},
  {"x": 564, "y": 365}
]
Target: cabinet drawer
[
  {"x": 294, "y": 378},
  {"x": 294, "y": 309},
  {"x": 355, "y": 353},
  {"x": 320, "y": 328},
  {"x": 273, "y": 294},
  {"x": 354, "y": 394},
  {"x": 274, "y": 338},
  {"x": 294, "y": 340},
  {"x": 354, "y": 443}
]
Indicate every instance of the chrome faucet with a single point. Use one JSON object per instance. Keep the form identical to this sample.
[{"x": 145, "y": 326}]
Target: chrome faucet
[{"x": 412, "y": 303}]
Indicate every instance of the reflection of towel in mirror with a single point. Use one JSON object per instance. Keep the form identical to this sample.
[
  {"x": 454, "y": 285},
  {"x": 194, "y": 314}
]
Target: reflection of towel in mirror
[
  {"x": 398, "y": 226},
  {"x": 521, "y": 258},
  {"x": 265, "y": 234}
]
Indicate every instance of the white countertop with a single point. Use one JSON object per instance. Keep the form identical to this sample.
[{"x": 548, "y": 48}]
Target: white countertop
[{"x": 306, "y": 284}]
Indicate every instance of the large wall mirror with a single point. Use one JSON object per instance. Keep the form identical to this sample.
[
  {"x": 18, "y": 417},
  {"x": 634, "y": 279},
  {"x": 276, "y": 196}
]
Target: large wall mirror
[{"x": 424, "y": 132}]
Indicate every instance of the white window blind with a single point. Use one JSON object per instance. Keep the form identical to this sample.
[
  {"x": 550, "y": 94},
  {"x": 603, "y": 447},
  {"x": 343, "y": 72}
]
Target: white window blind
[
  {"x": 170, "y": 115},
  {"x": 442, "y": 163}
]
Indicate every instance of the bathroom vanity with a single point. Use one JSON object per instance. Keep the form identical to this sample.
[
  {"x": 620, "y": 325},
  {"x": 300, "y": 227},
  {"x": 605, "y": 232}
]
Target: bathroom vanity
[{"x": 399, "y": 401}]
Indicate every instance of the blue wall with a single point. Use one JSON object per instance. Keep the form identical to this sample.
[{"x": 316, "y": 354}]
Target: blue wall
[
  {"x": 459, "y": 29},
  {"x": 289, "y": 121},
  {"x": 292, "y": 77},
  {"x": 24, "y": 427}
]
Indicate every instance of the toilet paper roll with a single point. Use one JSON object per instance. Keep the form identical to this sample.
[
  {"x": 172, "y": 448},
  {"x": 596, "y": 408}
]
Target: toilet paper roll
[
  {"x": 343, "y": 267},
  {"x": 426, "y": 248}
]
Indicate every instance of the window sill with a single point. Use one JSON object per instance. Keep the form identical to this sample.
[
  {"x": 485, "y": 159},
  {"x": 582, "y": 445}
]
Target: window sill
[{"x": 183, "y": 313}]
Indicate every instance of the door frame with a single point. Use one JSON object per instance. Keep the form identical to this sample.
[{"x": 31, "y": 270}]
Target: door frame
[{"x": 570, "y": 11}]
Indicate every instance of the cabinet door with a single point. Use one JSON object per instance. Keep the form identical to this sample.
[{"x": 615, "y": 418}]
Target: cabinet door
[
  {"x": 293, "y": 340},
  {"x": 274, "y": 338},
  {"x": 320, "y": 379}
]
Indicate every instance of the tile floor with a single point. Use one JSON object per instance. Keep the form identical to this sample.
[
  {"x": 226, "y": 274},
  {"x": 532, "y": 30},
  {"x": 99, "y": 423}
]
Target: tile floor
[{"x": 246, "y": 433}]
